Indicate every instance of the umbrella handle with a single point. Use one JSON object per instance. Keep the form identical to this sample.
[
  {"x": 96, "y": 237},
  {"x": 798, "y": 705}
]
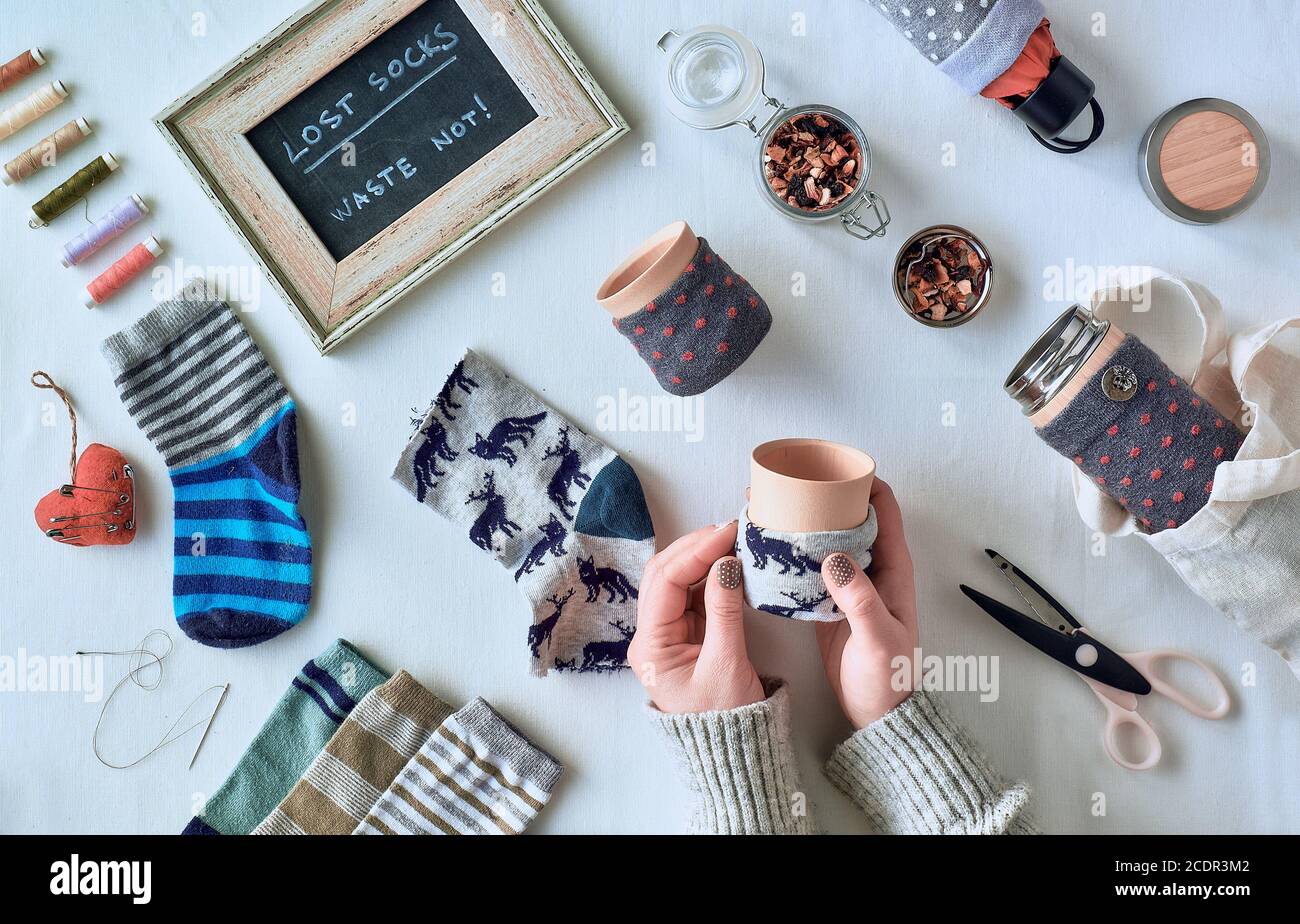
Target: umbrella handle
[{"x": 1074, "y": 147}]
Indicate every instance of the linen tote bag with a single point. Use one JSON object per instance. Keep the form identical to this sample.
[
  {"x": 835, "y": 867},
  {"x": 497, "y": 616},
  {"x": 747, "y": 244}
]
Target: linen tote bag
[{"x": 1241, "y": 551}]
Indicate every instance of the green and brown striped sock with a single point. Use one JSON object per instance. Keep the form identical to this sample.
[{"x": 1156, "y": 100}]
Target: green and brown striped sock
[{"x": 350, "y": 775}]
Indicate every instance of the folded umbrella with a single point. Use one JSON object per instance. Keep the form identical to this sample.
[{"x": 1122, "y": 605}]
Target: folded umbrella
[{"x": 1004, "y": 50}]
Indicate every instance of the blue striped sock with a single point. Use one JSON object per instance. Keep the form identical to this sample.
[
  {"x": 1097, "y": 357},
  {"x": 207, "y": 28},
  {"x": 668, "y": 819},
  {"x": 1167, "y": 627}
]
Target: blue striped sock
[{"x": 197, "y": 384}]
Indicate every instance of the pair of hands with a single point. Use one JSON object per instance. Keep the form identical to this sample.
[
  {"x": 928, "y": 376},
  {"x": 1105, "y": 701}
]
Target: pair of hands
[{"x": 689, "y": 648}]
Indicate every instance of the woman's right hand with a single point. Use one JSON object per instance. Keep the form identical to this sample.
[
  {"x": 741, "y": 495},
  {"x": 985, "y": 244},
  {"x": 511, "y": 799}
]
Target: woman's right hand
[{"x": 859, "y": 651}]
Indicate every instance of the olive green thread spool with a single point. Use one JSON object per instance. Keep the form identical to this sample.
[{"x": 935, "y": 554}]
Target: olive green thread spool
[{"x": 66, "y": 194}]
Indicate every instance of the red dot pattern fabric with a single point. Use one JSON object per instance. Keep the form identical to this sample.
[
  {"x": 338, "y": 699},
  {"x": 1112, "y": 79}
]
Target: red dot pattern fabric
[
  {"x": 701, "y": 328},
  {"x": 1154, "y": 453}
]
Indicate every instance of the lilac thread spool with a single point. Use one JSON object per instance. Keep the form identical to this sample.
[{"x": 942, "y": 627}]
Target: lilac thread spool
[{"x": 120, "y": 217}]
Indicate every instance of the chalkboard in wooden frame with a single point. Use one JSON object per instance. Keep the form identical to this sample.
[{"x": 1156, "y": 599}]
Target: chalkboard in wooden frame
[{"x": 454, "y": 115}]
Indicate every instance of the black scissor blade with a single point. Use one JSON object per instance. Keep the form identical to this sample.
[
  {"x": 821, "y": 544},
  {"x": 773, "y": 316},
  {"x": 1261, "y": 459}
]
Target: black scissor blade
[
  {"x": 1069, "y": 649},
  {"x": 1013, "y": 619},
  {"x": 1047, "y": 608}
]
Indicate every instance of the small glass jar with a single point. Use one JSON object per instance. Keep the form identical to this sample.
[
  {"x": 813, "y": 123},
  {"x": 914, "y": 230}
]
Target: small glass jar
[{"x": 715, "y": 80}]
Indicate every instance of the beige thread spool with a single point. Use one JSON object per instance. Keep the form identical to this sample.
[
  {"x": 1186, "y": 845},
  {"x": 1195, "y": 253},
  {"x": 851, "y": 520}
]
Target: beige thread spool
[
  {"x": 28, "y": 110},
  {"x": 45, "y": 152}
]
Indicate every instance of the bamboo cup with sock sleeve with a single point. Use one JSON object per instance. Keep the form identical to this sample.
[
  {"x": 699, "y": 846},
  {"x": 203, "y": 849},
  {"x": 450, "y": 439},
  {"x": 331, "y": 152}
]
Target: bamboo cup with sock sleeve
[
  {"x": 807, "y": 499},
  {"x": 689, "y": 315}
]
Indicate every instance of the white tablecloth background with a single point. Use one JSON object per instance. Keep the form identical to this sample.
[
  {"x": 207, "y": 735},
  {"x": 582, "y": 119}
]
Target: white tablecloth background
[{"x": 842, "y": 362}]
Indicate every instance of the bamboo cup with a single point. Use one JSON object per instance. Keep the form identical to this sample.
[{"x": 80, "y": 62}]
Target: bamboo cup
[
  {"x": 807, "y": 485},
  {"x": 651, "y": 269}
]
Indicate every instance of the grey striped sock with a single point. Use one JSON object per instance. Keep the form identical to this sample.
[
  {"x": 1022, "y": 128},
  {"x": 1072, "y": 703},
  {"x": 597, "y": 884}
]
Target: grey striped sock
[
  {"x": 198, "y": 386},
  {"x": 477, "y": 774},
  {"x": 370, "y": 748}
]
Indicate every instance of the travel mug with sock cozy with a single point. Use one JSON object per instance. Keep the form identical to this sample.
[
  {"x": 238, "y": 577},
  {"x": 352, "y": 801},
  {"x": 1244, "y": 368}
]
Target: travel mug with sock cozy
[
  {"x": 1161, "y": 421},
  {"x": 1105, "y": 400}
]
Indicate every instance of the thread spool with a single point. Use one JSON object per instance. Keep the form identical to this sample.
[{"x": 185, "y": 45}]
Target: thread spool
[
  {"x": 23, "y": 65},
  {"x": 45, "y": 153},
  {"x": 62, "y": 197},
  {"x": 108, "y": 226},
  {"x": 136, "y": 261},
  {"x": 31, "y": 108}
]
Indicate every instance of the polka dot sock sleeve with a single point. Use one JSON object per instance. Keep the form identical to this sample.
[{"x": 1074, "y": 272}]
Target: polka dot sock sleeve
[
  {"x": 701, "y": 328},
  {"x": 1145, "y": 437},
  {"x": 972, "y": 41}
]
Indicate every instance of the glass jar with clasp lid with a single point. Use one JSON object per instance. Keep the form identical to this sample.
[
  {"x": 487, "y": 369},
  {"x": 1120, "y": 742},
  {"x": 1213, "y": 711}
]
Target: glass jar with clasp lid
[{"x": 812, "y": 162}]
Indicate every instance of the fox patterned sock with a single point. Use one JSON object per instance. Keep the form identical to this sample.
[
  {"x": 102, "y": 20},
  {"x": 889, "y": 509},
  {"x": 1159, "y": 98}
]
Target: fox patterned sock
[
  {"x": 561, "y": 511},
  {"x": 1153, "y": 445},
  {"x": 197, "y": 384},
  {"x": 783, "y": 571}
]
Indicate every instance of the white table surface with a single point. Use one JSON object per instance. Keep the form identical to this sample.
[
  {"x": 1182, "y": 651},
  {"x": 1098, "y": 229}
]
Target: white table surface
[{"x": 842, "y": 362}]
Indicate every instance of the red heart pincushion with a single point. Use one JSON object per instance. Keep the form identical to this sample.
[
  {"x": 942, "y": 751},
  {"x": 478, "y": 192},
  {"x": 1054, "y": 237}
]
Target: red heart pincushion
[{"x": 99, "y": 509}]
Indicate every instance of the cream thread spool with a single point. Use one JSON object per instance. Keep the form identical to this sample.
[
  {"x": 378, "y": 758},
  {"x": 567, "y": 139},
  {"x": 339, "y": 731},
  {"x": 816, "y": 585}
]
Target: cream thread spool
[
  {"x": 45, "y": 152},
  {"x": 28, "y": 110}
]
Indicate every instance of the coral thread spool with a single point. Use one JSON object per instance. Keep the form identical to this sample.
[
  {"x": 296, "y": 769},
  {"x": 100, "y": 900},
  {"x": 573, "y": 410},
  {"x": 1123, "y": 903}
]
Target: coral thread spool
[
  {"x": 66, "y": 194},
  {"x": 23, "y": 65},
  {"x": 107, "y": 227},
  {"x": 136, "y": 261},
  {"x": 45, "y": 152},
  {"x": 31, "y": 108}
]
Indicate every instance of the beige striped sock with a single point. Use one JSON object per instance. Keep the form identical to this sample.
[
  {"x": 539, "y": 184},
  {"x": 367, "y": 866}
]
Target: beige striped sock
[
  {"x": 476, "y": 774},
  {"x": 348, "y": 777}
]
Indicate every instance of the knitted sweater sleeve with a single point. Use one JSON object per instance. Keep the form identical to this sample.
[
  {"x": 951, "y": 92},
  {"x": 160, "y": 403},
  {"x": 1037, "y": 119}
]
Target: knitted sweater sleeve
[
  {"x": 916, "y": 771},
  {"x": 912, "y": 771},
  {"x": 739, "y": 766}
]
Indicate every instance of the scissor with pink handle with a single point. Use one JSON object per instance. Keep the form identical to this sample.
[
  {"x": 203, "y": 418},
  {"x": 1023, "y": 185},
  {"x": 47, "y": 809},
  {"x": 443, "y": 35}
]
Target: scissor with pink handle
[{"x": 1117, "y": 679}]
